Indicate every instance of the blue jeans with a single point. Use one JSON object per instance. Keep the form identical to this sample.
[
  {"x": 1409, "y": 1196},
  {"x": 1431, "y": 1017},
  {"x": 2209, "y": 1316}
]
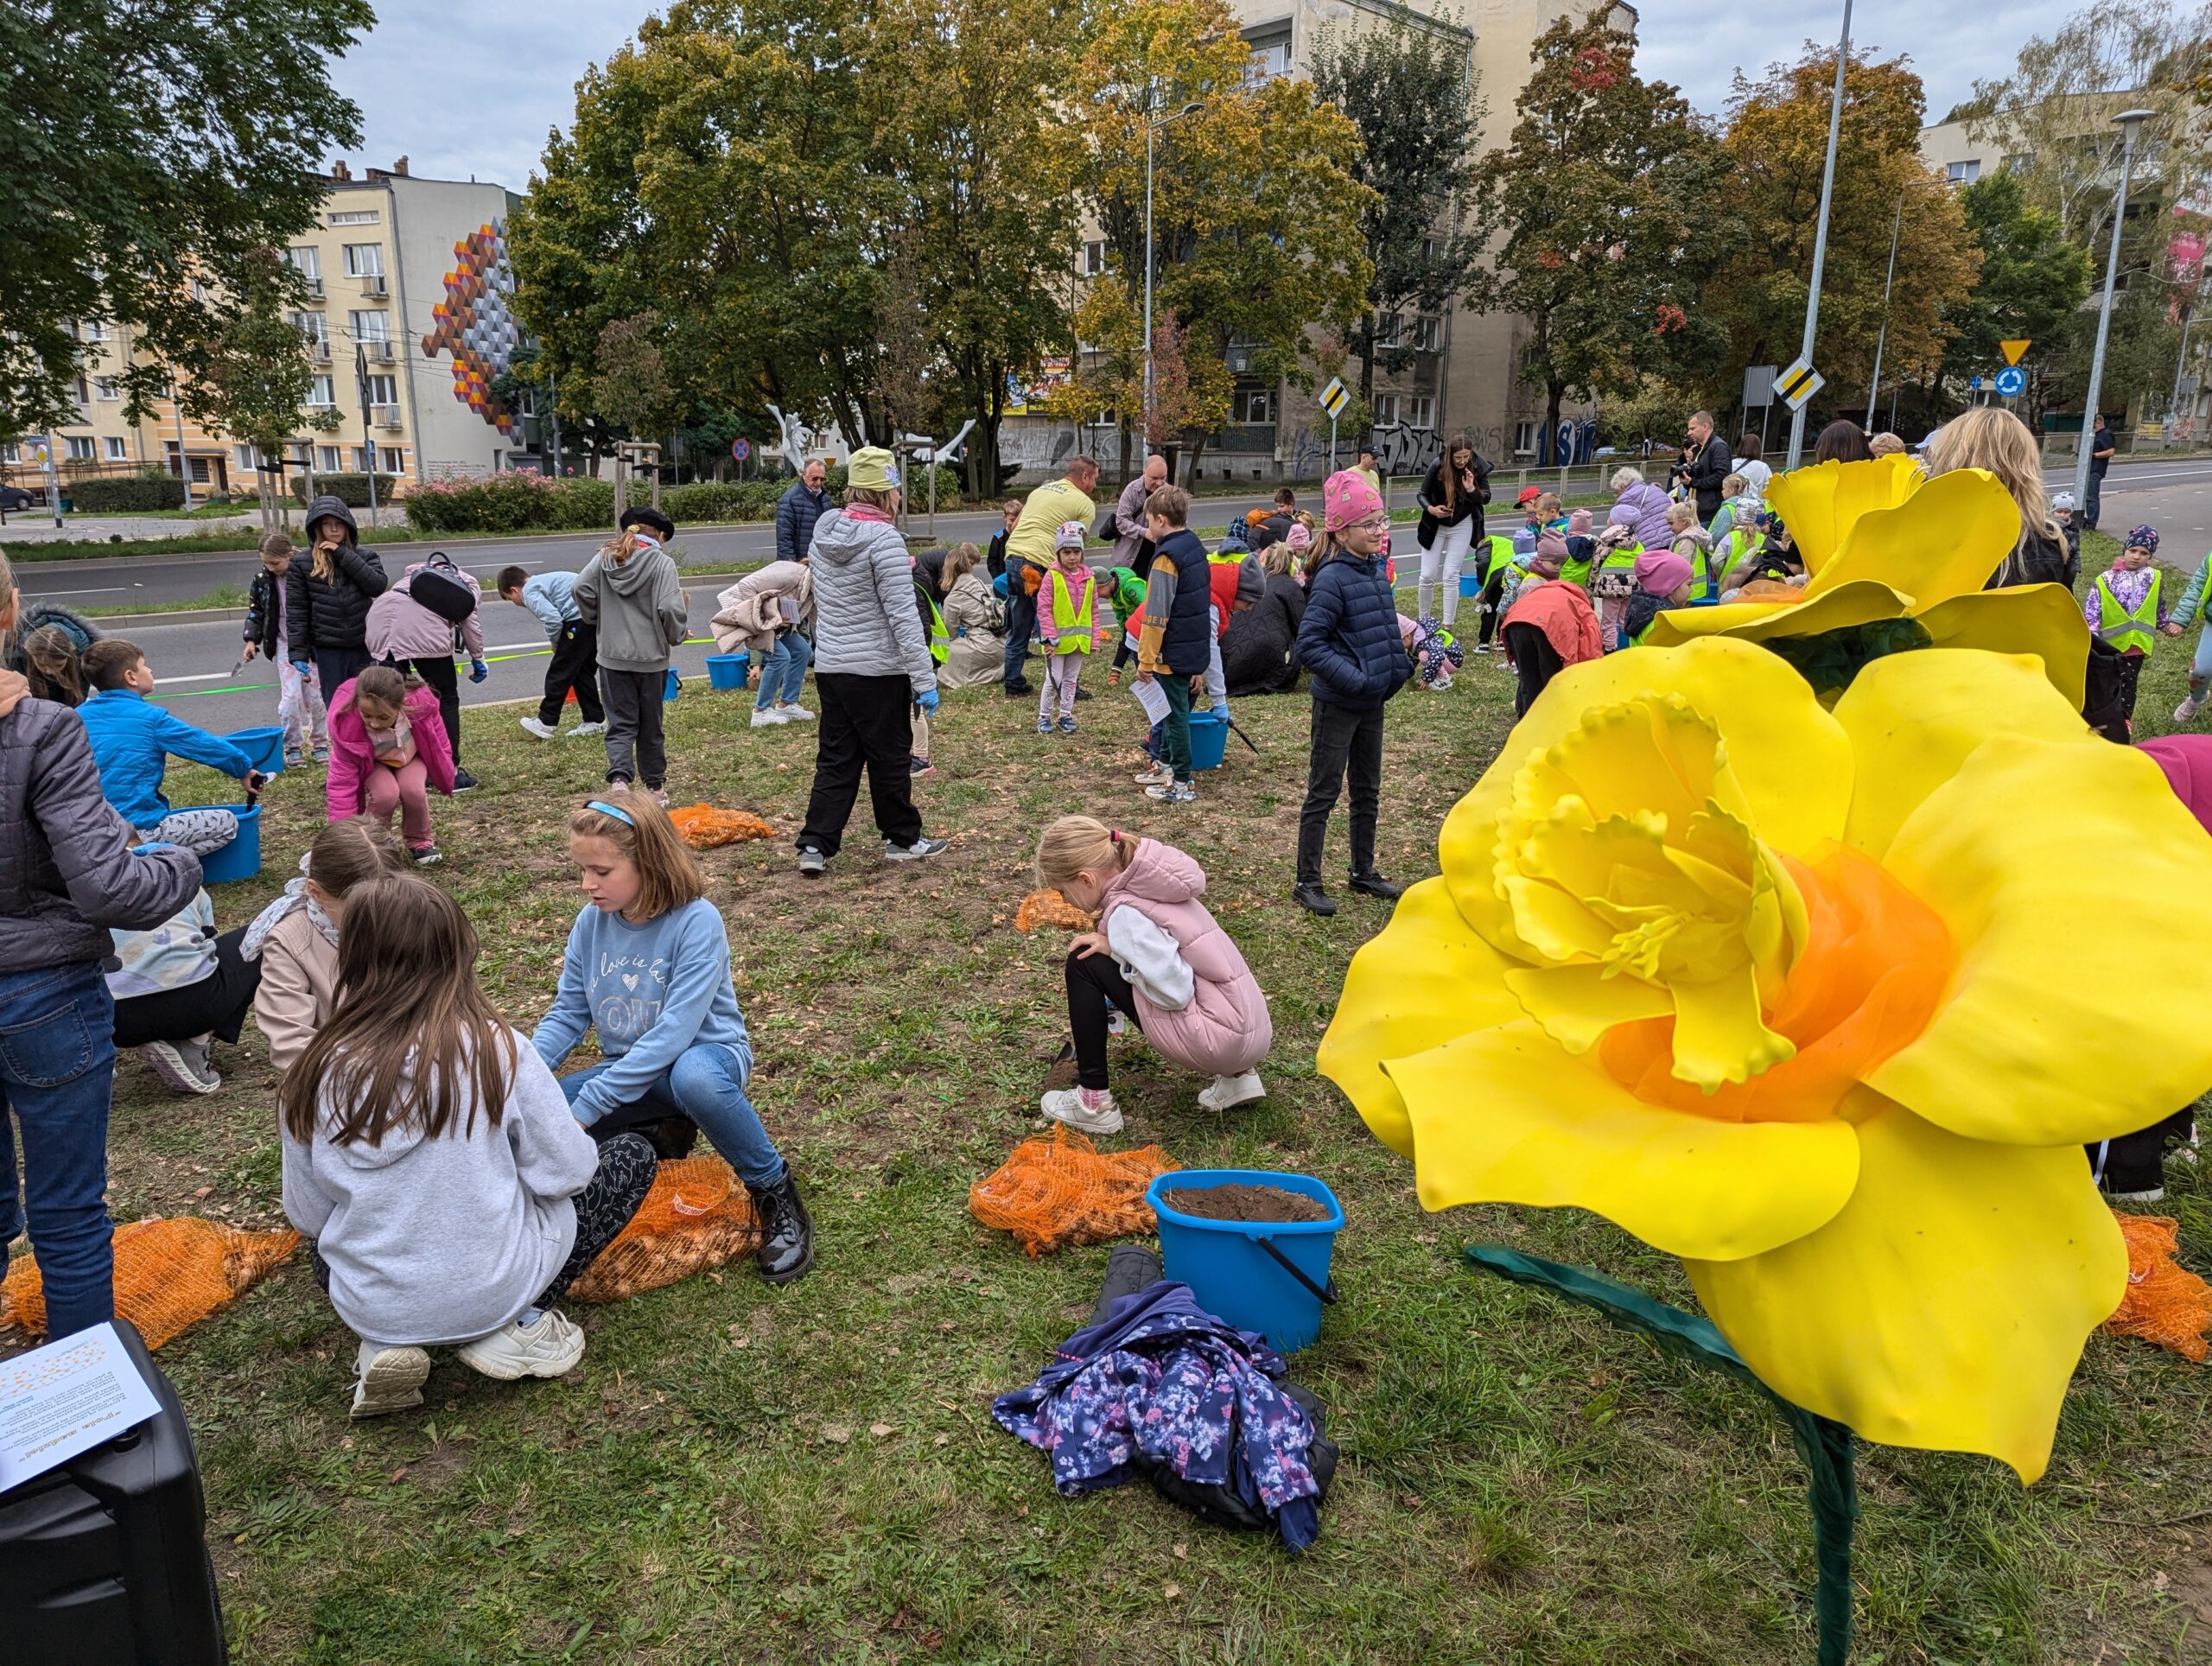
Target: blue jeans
[
  {"x": 1021, "y": 626},
  {"x": 57, "y": 1070},
  {"x": 706, "y": 1083},
  {"x": 783, "y": 671}
]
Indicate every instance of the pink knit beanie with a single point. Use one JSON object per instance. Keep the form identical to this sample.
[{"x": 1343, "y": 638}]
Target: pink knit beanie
[
  {"x": 1662, "y": 572},
  {"x": 1347, "y": 497},
  {"x": 1577, "y": 524}
]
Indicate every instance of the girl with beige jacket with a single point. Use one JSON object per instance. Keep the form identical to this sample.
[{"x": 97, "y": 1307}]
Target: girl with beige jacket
[{"x": 296, "y": 937}]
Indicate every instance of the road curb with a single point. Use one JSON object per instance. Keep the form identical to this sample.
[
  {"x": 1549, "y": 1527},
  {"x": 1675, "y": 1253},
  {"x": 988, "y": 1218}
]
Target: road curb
[{"x": 209, "y": 615}]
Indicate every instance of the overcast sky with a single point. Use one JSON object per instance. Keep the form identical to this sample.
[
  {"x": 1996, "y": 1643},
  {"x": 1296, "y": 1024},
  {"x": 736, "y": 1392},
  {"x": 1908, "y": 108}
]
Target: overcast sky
[{"x": 464, "y": 90}]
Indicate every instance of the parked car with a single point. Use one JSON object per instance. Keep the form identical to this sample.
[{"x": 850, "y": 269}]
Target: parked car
[{"x": 14, "y": 497}]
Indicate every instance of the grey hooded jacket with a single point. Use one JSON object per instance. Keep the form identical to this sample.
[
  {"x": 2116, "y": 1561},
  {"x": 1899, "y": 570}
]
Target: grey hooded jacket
[
  {"x": 638, "y": 608},
  {"x": 865, "y": 620},
  {"x": 66, "y": 873}
]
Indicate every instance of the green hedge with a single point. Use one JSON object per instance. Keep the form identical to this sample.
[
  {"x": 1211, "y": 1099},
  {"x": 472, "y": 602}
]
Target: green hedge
[
  {"x": 518, "y": 501},
  {"x": 122, "y": 497},
  {"x": 352, "y": 490}
]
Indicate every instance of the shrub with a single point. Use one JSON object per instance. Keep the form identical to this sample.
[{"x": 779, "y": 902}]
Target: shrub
[
  {"x": 352, "y": 490},
  {"x": 516, "y": 500},
  {"x": 122, "y": 497}
]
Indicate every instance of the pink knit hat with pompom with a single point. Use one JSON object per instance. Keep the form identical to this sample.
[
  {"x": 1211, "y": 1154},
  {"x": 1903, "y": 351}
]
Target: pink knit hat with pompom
[{"x": 1347, "y": 496}]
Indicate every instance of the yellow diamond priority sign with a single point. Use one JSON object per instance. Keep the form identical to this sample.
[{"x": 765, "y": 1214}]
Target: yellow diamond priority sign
[
  {"x": 1335, "y": 397},
  {"x": 1798, "y": 384}
]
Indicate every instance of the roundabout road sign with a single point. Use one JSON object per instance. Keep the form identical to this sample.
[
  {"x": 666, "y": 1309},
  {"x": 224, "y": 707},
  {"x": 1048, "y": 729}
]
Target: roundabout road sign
[{"x": 2011, "y": 381}]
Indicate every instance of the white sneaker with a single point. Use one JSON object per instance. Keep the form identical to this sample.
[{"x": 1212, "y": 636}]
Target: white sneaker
[
  {"x": 182, "y": 1067},
  {"x": 2189, "y": 709},
  {"x": 549, "y": 1348},
  {"x": 387, "y": 1379},
  {"x": 1066, "y": 1105},
  {"x": 914, "y": 852},
  {"x": 794, "y": 713},
  {"x": 588, "y": 729},
  {"x": 1157, "y": 775},
  {"x": 1229, "y": 1090},
  {"x": 542, "y": 731},
  {"x": 768, "y": 717}
]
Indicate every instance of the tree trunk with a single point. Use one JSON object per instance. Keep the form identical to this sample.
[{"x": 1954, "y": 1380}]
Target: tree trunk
[
  {"x": 1553, "y": 392},
  {"x": 1196, "y": 443},
  {"x": 1123, "y": 425}
]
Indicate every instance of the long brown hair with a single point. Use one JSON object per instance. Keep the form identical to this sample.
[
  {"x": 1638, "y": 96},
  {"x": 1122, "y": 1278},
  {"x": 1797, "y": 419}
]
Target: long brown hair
[
  {"x": 353, "y": 852},
  {"x": 407, "y": 1005},
  {"x": 1450, "y": 470}
]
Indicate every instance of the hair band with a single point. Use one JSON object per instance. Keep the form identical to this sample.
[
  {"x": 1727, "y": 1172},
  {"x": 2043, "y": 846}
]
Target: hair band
[
  {"x": 606, "y": 809},
  {"x": 1113, "y": 836}
]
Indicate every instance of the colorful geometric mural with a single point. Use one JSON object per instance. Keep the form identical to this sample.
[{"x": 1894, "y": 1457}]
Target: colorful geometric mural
[{"x": 475, "y": 323}]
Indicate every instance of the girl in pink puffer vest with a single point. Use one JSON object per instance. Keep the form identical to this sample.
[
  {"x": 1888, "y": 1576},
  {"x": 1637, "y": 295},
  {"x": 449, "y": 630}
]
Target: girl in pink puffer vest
[{"x": 1158, "y": 957}]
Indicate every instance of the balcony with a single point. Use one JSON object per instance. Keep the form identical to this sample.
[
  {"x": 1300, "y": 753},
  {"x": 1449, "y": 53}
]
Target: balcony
[
  {"x": 378, "y": 351},
  {"x": 314, "y": 288},
  {"x": 385, "y": 415},
  {"x": 372, "y": 284}
]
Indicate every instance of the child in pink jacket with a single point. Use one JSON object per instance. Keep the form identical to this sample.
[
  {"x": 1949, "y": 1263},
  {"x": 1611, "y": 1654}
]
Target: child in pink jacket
[
  {"x": 1075, "y": 615},
  {"x": 388, "y": 747},
  {"x": 1157, "y": 957}
]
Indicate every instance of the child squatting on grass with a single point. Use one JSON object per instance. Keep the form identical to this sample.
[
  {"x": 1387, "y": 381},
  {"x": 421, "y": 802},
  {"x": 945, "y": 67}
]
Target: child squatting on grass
[
  {"x": 1158, "y": 956},
  {"x": 388, "y": 750},
  {"x": 294, "y": 939},
  {"x": 648, "y": 967},
  {"x": 429, "y": 1156}
]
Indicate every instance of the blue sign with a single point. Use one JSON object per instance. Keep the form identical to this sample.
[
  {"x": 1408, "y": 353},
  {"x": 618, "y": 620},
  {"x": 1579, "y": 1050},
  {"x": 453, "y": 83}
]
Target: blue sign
[
  {"x": 740, "y": 449},
  {"x": 2011, "y": 381}
]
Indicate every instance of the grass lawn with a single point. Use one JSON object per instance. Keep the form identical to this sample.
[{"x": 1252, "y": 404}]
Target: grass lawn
[{"x": 812, "y": 1474}]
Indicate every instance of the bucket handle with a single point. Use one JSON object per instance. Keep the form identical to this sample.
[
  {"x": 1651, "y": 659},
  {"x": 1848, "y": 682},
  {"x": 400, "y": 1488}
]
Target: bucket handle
[{"x": 1327, "y": 1295}]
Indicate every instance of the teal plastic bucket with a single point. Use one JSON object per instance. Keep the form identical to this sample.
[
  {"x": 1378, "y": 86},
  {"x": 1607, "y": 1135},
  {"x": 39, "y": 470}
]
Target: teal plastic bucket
[
  {"x": 725, "y": 671},
  {"x": 1209, "y": 739},
  {"x": 264, "y": 745},
  {"x": 241, "y": 858},
  {"x": 1268, "y": 1276}
]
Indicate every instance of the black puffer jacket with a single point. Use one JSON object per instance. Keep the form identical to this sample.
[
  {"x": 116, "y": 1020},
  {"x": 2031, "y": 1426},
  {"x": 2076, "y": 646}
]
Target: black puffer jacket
[
  {"x": 1259, "y": 650},
  {"x": 1348, "y": 639},
  {"x": 66, "y": 873},
  {"x": 331, "y": 613}
]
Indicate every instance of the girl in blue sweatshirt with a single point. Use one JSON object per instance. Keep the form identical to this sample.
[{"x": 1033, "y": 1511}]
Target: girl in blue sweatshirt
[{"x": 648, "y": 967}]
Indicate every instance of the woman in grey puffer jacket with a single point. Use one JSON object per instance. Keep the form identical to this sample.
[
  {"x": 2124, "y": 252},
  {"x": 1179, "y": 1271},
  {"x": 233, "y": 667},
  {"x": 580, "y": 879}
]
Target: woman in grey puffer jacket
[
  {"x": 66, "y": 875},
  {"x": 871, "y": 666}
]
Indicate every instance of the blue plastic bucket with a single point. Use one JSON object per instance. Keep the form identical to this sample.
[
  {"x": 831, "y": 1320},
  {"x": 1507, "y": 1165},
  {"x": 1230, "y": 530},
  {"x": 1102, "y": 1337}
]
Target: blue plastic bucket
[
  {"x": 264, "y": 745},
  {"x": 671, "y": 685},
  {"x": 1470, "y": 585},
  {"x": 725, "y": 671},
  {"x": 1237, "y": 1269},
  {"x": 241, "y": 858},
  {"x": 1209, "y": 739}
]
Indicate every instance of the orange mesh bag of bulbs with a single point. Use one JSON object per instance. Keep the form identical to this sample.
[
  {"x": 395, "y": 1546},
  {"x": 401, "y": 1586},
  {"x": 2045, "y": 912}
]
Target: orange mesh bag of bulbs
[
  {"x": 697, "y": 1216},
  {"x": 1051, "y": 908},
  {"x": 1063, "y": 1190},
  {"x": 169, "y": 1274},
  {"x": 2166, "y": 1302},
  {"x": 703, "y": 826}
]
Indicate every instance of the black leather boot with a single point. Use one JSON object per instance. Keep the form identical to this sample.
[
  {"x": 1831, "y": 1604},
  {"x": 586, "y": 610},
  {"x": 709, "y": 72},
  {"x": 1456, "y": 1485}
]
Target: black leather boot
[
  {"x": 1373, "y": 884},
  {"x": 1314, "y": 900},
  {"x": 786, "y": 1231}
]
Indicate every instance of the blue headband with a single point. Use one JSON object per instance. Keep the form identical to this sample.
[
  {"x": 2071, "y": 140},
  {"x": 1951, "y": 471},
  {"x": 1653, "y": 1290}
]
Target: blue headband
[{"x": 606, "y": 809}]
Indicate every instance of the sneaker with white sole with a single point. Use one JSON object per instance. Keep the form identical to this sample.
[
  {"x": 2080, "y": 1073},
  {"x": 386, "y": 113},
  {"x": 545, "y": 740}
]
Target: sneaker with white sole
[
  {"x": 387, "y": 1379},
  {"x": 768, "y": 717},
  {"x": 2189, "y": 709},
  {"x": 542, "y": 731},
  {"x": 914, "y": 852},
  {"x": 588, "y": 728},
  {"x": 551, "y": 1347},
  {"x": 1157, "y": 775},
  {"x": 1084, "y": 1110},
  {"x": 794, "y": 713},
  {"x": 1229, "y": 1090},
  {"x": 182, "y": 1067},
  {"x": 428, "y": 856},
  {"x": 812, "y": 864},
  {"x": 1173, "y": 791}
]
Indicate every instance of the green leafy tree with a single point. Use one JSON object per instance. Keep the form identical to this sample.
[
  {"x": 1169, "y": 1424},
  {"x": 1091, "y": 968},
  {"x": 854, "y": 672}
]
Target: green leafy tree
[
  {"x": 1607, "y": 204},
  {"x": 259, "y": 376},
  {"x": 151, "y": 153},
  {"x": 1417, "y": 155},
  {"x": 2031, "y": 285}
]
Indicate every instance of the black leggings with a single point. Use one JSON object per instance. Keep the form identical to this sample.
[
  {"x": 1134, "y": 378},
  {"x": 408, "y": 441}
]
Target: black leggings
[
  {"x": 1093, "y": 982},
  {"x": 1493, "y": 588},
  {"x": 217, "y": 1004},
  {"x": 1534, "y": 660}
]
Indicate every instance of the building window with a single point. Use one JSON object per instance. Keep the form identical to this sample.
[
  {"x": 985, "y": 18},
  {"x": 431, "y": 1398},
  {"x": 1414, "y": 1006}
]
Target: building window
[
  {"x": 199, "y": 471},
  {"x": 383, "y": 391},
  {"x": 80, "y": 447},
  {"x": 10, "y": 452},
  {"x": 95, "y": 330},
  {"x": 116, "y": 450},
  {"x": 361, "y": 460},
  {"x": 318, "y": 393},
  {"x": 1094, "y": 258},
  {"x": 1386, "y": 410},
  {"x": 1524, "y": 438},
  {"x": 1428, "y": 335},
  {"x": 1963, "y": 173},
  {"x": 1251, "y": 405},
  {"x": 326, "y": 458},
  {"x": 1270, "y": 54},
  {"x": 364, "y": 260},
  {"x": 84, "y": 391},
  {"x": 1390, "y": 330},
  {"x": 1420, "y": 410},
  {"x": 371, "y": 326},
  {"x": 307, "y": 260},
  {"x": 247, "y": 459},
  {"x": 354, "y": 216},
  {"x": 105, "y": 387},
  {"x": 312, "y": 326}
]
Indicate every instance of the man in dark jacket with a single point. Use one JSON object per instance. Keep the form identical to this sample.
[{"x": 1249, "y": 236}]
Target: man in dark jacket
[
  {"x": 1709, "y": 465},
  {"x": 1176, "y": 644},
  {"x": 1348, "y": 640},
  {"x": 326, "y": 597},
  {"x": 804, "y": 505}
]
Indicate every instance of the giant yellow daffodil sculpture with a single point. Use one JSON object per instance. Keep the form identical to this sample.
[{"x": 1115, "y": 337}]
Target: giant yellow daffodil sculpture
[
  {"x": 1823, "y": 1002},
  {"x": 1881, "y": 543}
]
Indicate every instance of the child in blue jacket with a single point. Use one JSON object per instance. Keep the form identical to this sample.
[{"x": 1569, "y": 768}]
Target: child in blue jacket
[{"x": 132, "y": 740}]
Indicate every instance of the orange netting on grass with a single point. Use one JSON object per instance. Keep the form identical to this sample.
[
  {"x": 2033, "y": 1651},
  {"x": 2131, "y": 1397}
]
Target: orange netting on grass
[
  {"x": 2166, "y": 1302},
  {"x": 1051, "y": 908},
  {"x": 169, "y": 1273},
  {"x": 697, "y": 1216},
  {"x": 1062, "y": 1190},
  {"x": 703, "y": 826}
]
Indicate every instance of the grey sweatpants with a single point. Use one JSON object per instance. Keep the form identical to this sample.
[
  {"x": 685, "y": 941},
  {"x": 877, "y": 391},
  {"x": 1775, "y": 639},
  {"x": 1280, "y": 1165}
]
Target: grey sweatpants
[
  {"x": 634, "y": 750},
  {"x": 203, "y": 832}
]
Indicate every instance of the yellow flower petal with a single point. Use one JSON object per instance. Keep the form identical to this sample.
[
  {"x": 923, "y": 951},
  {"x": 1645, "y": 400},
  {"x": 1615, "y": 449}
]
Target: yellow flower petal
[
  {"x": 1821, "y": 504},
  {"x": 1943, "y": 541},
  {"x": 1946, "y": 1306},
  {"x": 1834, "y": 609},
  {"x": 2078, "y": 895},
  {"x": 1424, "y": 979},
  {"x": 2042, "y": 619},
  {"x": 1718, "y": 1035},
  {"x": 1913, "y": 718},
  {"x": 1576, "y": 1005},
  {"x": 1504, "y": 1115}
]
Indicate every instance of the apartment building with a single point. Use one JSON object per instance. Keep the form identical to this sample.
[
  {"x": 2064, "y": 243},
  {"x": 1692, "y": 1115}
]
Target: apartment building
[{"x": 408, "y": 326}]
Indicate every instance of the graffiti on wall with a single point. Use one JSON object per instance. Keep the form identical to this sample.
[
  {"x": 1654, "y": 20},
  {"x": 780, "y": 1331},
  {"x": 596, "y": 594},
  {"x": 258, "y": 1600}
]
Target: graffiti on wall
[
  {"x": 1402, "y": 450},
  {"x": 476, "y": 323}
]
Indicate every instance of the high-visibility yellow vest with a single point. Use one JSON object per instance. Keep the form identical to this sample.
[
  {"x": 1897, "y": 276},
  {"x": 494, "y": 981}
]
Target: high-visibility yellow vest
[
  {"x": 940, "y": 639},
  {"x": 1073, "y": 619},
  {"x": 1500, "y": 555},
  {"x": 2127, "y": 631},
  {"x": 1700, "y": 575}
]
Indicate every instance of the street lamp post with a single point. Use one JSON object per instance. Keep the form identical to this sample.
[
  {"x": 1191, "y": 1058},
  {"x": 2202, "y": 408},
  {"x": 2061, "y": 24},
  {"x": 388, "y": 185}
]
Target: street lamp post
[
  {"x": 2128, "y": 121},
  {"x": 1820, "y": 235},
  {"x": 1153, "y": 123}
]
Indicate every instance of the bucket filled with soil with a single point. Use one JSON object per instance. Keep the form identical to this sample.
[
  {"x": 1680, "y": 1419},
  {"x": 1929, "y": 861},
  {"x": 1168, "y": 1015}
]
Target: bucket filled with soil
[{"x": 1253, "y": 1244}]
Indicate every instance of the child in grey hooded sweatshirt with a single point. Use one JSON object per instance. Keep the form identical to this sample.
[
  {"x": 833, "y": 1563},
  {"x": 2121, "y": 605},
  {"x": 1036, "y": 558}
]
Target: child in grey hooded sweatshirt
[{"x": 630, "y": 593}]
